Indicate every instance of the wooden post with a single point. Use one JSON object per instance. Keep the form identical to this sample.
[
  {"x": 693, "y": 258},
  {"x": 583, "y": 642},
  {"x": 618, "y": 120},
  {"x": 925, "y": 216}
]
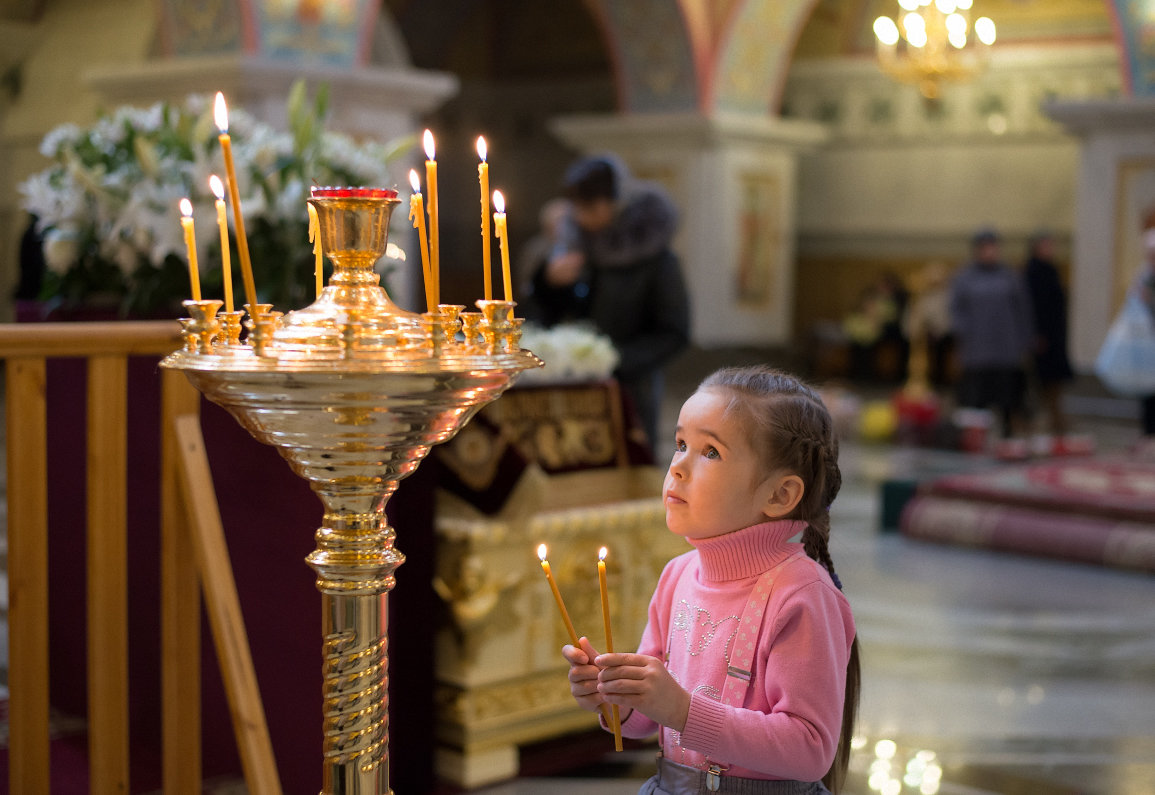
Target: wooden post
[
  {"x": 180, "y": 605},
  {"x": 107, "y": 575},
  {"x": 27, "y": 576},
  {"x": 224, "y": 609}
]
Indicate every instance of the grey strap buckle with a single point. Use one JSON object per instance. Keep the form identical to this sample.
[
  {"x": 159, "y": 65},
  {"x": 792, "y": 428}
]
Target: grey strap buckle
[
  {"x": 738, "y": 673},
  {"x": 714, "y": 777}
]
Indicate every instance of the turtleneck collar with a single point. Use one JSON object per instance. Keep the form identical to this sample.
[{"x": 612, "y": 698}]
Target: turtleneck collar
[{"x": 747, "y": 552}]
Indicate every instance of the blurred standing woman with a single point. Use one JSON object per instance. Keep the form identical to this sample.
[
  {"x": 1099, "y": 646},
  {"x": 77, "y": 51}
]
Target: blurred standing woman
[
  {"x": 1144, "y": 287},
  {"x": 1049, "y": 301}
]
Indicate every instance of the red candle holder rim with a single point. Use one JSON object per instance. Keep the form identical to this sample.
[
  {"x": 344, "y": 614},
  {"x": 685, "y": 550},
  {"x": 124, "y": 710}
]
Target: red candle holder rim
[{"x": 352, "y": 193}]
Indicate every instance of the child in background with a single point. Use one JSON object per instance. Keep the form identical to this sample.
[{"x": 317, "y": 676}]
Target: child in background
[{"x": 748, "y": 665}]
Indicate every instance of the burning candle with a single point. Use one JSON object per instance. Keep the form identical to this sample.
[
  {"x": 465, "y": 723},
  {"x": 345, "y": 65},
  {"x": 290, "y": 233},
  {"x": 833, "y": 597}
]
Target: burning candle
[
  {"x": 218, "y": 190},
  {"x": 417, "y": 216},
  {"x": 315, "y": 239},
  {"x": 483, "y": 178},
  {"x": 616, "y": 722},
  {"x": 434, "y": 224},
  {"x": 502, "y": 232},
  {"x": 221, "y": 116},
  {"x": 190, "y": 245},
  {"x": 573, "y": 636}
]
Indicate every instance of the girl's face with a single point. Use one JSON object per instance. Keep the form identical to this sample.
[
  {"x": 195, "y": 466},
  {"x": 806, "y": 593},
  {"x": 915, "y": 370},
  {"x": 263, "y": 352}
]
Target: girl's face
[{"x": 716, "y": 482}]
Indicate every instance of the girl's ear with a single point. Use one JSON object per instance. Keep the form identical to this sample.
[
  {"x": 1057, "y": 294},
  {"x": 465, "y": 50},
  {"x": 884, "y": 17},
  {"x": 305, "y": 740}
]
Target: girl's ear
[{"x": 784, "y": 497}]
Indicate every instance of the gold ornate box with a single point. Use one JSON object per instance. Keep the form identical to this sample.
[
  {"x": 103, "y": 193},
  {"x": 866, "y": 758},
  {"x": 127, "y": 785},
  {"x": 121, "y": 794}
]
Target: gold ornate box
[{"x": 501, "y": 679}]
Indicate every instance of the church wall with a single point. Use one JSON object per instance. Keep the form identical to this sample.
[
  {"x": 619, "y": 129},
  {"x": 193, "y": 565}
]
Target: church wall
[
  {"x": 903, "y": 182},
  {"x": 867, "y": 211}
]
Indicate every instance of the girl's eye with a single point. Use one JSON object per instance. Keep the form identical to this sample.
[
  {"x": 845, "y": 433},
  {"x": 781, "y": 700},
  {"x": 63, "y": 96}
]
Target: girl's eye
[
  {"x": 679, "y": 446},
  {"x": 712, "y": 452}
]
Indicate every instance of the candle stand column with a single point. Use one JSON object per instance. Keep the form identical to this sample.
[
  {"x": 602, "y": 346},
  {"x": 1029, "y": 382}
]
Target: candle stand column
[{"x": 355, "y": 561}]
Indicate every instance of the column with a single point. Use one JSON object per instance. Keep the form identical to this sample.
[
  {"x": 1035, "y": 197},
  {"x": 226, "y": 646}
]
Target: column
[{"x": 1116, "y": 184}]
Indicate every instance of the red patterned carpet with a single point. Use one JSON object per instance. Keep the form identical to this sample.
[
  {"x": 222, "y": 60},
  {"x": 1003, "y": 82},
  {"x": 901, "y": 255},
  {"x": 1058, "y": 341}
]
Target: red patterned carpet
[{"x": 1096, "y": 510}]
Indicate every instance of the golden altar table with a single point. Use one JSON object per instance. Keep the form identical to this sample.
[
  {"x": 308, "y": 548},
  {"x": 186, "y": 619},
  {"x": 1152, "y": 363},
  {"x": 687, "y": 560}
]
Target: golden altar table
[{"x": 500, "y": 677}]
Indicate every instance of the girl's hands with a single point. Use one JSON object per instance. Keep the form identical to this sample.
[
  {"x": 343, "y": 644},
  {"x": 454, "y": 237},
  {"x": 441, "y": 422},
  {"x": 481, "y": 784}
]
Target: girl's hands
[
  {"x": 641, "y": 682},
  {"x": 583, "y": 675}
]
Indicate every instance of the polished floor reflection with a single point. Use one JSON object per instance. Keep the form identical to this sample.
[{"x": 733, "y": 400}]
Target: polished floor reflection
[{"x": 983, "y": 672}]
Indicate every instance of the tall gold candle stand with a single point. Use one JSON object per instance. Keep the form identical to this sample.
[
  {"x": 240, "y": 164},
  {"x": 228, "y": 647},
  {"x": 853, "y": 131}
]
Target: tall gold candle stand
[{"x": 354, "y": 391}]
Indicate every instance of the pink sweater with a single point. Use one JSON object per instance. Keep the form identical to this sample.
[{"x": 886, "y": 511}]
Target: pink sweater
[{"x": 788, "y": 725}]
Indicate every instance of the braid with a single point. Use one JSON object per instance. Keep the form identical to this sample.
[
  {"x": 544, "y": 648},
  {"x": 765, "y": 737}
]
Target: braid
[
  {"x": 821, "y": 456},
  {"x": 814, "y": 541},
  {"x": 821, "y": 538}
]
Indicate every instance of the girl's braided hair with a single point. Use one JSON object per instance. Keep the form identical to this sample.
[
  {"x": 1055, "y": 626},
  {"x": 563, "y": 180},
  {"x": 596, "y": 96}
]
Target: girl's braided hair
[{"x": 792, "y": 430}]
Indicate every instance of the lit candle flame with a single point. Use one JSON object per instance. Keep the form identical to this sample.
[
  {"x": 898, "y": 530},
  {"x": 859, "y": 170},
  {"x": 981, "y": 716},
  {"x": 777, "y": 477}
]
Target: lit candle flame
[
  {"x": 482, "y": 150},
  {"x": 602, "y": 553},
  {"x": 414, "y": 180},
  {"x": 186, "y": 208},
  {"x": 221, "y": 113},
  {"x": 217, "y": 187},
  {"x": 430, "y": 152},
  {"x": 541, "y": 551},
  {"x": 498, "y": 201}
]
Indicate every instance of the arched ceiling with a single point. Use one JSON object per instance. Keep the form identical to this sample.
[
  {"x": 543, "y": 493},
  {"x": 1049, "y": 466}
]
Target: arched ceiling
[
  {"x": 502, "y": 39},
  {"x": 715, "y": 55}
]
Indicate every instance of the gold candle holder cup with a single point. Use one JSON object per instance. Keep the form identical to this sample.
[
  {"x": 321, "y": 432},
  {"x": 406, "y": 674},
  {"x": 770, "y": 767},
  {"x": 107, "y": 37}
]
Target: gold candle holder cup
[{"x": 204, "y": 327}]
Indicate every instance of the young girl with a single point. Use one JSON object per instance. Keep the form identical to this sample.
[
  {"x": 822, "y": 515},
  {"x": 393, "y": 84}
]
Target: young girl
[{"x": 748, "y": 664}]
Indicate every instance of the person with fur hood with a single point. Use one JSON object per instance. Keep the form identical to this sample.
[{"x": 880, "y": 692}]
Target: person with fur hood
[{"x": 613, "y": 267}]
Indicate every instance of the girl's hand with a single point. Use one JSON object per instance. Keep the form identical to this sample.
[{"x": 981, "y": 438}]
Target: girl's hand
[
  {"x": 643, "y": 683},
  {"x": 583, "y": 675}
]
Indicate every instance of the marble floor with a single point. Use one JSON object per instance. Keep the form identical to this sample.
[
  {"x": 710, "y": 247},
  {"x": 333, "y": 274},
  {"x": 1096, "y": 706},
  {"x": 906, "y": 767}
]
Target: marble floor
[{"x": 982, "y": 672}]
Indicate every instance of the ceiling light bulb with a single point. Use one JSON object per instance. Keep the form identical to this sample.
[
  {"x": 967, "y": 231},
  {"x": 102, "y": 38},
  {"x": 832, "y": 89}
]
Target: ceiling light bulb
[
  {"x": 886, "y": 31},
  {"x": 985, "y": 30},
  {"x": 912, "y": 22}
]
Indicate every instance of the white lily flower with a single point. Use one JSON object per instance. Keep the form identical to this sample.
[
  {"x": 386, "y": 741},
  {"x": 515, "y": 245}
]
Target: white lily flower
[{"x": 61, "y": 249}]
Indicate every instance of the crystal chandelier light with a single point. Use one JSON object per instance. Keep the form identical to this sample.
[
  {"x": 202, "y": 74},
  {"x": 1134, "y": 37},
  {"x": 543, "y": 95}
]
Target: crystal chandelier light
[{"x": 933, "y": 41}]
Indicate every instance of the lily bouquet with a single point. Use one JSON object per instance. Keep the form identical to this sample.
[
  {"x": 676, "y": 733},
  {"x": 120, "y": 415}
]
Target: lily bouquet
[
  {"x": 106, "y": 208},
  {"x": 572, "y": 352}
]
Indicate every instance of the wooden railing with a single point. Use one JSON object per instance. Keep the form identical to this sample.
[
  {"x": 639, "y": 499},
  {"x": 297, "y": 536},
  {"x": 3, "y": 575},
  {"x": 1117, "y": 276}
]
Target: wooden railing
[{"x": 193, "y": 555}]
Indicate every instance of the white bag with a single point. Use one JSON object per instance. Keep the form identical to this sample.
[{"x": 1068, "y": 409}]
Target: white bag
[{"x": 1126, "y": 362}]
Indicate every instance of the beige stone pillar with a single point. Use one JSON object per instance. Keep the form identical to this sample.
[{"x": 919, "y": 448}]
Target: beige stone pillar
[{"x": 1116, "y": 184}]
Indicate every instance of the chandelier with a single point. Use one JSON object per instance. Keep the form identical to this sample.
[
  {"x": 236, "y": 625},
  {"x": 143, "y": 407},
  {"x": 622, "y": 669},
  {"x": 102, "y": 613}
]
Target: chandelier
[{"x": 933, "y": 41}]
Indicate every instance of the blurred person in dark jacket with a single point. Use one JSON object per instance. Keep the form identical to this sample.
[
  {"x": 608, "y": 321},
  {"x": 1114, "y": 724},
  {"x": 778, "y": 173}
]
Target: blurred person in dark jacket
[
  {"x": 1049, "y": 303},
  {"x": 613, "y": 266},
  {"x": 991, "y": 318}
]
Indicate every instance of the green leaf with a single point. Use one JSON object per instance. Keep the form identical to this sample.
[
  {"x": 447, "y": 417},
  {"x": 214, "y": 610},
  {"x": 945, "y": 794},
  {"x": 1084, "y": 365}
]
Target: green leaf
[
  {"x": 399, "y": 147},
  {"x": 321, "y": 109}
]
